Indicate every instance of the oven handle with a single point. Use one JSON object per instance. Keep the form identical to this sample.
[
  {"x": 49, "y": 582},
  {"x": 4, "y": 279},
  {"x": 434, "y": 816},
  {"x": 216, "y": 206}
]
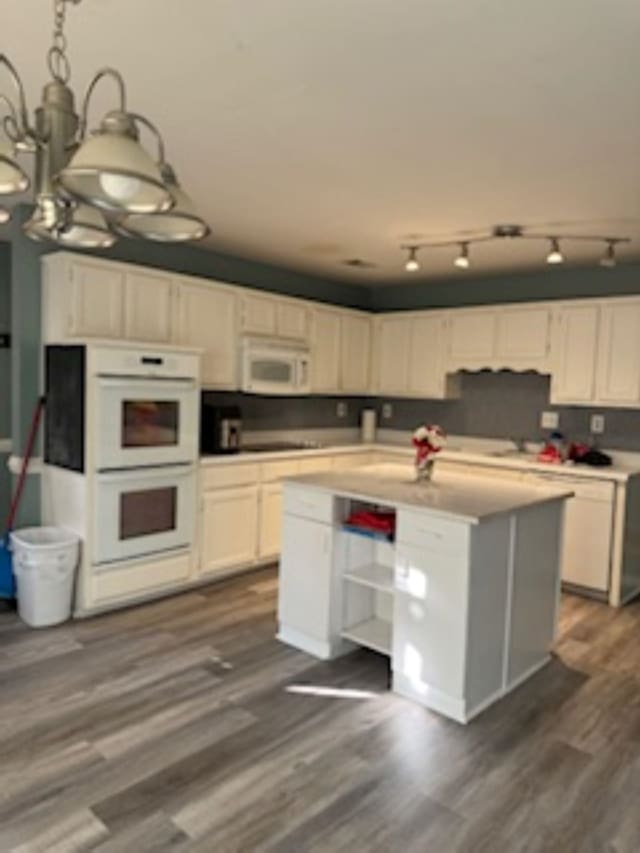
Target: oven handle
[
  {"x": 143, "y": 475},
  {"x": 153, "y": 383}
]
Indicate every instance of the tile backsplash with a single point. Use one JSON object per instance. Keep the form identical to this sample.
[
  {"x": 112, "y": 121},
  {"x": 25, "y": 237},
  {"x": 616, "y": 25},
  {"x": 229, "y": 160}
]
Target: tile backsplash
[
  {"x": 509, "y": 405},
  {"x": 491, "y": 405}
]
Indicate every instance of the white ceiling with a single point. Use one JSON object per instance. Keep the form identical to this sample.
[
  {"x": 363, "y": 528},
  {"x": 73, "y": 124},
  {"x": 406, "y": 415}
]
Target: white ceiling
[{"x": 312, "y": 131}]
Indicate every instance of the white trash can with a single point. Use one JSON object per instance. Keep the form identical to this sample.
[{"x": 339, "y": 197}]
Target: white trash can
[{"x": 44, "y": 563}]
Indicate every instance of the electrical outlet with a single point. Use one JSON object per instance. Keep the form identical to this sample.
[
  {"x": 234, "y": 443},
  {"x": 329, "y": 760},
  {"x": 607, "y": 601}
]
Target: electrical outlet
[
  {"x": 387, "y": 411},
  {"x": 341, "y": 410},
  {"x": 597, "y": 424},
  {"x": 549, "y": 420}
]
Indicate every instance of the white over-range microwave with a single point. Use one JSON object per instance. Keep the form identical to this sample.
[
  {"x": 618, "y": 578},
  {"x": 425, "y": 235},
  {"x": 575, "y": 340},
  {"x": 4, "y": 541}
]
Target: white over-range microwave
[{"x": 273, "y": 366}]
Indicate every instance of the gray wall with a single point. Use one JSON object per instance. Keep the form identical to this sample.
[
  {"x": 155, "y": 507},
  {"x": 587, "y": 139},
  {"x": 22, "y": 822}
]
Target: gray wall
[
  {"x": 5, "y": 375},
  {"x": 508, "y": 405},
  {"x": 548, "y": 283}
]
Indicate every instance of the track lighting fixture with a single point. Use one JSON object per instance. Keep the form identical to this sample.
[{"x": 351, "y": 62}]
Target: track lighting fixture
[
  {"x": 5, "y": 215},
  {"x": 462, "y": 261},
  {"x": 608, "y": 260},
  {"x": 512, "y": 232},
  {"x": 555, "y": 256},
  {"x": 90, "y": 187},
  {"x": 412, "y": 264}
]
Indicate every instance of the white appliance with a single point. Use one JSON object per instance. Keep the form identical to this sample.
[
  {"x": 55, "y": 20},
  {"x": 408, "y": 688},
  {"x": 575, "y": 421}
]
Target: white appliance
[
  {"x": 143, "y": 511},
  {"x": 272, "y": 366},
  {"x": 145, "y": 421}
]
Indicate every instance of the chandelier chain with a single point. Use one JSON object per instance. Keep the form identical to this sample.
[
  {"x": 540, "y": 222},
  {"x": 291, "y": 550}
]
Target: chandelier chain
[{"x": 57, "y": 59}]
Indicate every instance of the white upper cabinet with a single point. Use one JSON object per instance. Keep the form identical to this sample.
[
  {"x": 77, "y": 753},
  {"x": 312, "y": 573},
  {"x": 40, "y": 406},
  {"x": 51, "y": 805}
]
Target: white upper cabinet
[
  {"x": 524, "y": 337},
  {"x": 292, "y": 320},
  {"x": 575, "y": 341},
  {"x": 148, "y": 306},
  {"x": 427, "y": 377},
  {"x": 393, "y": 354},
  {"x": 258, "y": 315},
  {"x": 97, "y": 300},
  {"x": 273, "y": 316},
  {"x": 207, "y": 318},
  {"x": 325, "y": 350},
  {"x": 618, "y": 372},
  {"x": 472, "y": 338},
  {"x": 355, "y": 353}
]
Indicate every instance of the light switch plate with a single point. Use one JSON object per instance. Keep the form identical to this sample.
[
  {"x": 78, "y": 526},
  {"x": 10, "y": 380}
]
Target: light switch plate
[
  {"x": 597, "y": 424},
  {"x": 341, "y": 410},
  {"x": 549, "y": 420},
  {"x": 387, "y": 411}
]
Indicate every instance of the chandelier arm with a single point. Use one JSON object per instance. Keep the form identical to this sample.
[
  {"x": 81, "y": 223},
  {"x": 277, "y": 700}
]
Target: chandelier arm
[
  {"x": 154, "y": 130},
  {"x": 122, "y": 94},
  {"x": 22, "y": 125}
]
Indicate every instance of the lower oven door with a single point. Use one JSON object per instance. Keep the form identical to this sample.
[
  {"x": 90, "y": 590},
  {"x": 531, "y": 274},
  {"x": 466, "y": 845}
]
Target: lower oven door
[{"x": 141, "y": 512}]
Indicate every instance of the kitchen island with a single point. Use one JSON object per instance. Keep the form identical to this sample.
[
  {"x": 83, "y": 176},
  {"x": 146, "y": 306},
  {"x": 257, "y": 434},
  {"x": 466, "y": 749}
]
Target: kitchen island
[{"x": 463, "y": 598}]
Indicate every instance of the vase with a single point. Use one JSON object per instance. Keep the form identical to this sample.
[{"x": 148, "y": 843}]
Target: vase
[{"x": 424, "y": 471}]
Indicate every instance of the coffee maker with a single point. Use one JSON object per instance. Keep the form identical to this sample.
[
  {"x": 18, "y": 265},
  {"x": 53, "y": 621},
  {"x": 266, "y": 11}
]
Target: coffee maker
[{"x": 220, "y": 429}]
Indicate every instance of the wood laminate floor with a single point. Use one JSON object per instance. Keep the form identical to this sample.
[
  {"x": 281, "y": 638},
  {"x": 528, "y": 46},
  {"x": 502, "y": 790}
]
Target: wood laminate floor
[{"x": 183, "y": 725}]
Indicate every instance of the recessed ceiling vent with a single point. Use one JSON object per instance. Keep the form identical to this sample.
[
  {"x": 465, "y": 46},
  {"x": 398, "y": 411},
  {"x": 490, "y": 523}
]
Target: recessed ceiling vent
[{"x": 358, "y": 263}]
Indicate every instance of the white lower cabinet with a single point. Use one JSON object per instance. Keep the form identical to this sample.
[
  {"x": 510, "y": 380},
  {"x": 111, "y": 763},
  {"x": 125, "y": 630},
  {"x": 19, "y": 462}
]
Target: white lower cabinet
[
  {"x": 229, "y": 528},
  {"x": 270, "y": 524},
  {"x": 305, "y": 577}
]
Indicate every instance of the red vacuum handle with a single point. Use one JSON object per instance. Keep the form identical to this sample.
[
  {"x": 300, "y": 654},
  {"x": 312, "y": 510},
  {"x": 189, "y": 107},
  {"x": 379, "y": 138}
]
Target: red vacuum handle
[{"x": 31, "y": 440}]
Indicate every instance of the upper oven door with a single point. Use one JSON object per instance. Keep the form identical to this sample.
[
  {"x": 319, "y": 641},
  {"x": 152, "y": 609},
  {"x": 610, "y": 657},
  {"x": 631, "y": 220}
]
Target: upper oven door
[{"x": 143, "y": 422}]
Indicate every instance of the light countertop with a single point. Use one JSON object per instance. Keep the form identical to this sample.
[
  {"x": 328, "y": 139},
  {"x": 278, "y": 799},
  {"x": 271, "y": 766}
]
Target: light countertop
[
  {"x": 618, "y": 472},
  {"x": 452, "y": 496}
]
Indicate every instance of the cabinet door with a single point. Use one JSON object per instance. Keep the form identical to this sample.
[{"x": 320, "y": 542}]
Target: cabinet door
[
  {"x": 259, "y": 315},
  {"x": 292, "y": 320},
  {"x": 586, "y": 548},
  {"x": 97, "y": 300},
  {"x": 270, "y": 520},
  {"x": 207, "y": 319},
  {"x": 523, "y": 337},
  {"x": 426, "y": 367},
  {"x": 393, "y": 353},
  {"x": 618, "y": 380},
  {"x": 229, "y": 528},
  {"x": 305, "y": 577},
  {"x": 472, "y": 341},
  {"x": 325, "y": 351},
  {"x": 355, "y": 354},
  {"x": 574, "y": 354},
  {"x": 148, "y": 307}
]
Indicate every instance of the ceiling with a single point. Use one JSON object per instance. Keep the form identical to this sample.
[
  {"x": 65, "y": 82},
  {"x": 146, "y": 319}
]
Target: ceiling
[{"x": 309, "y": 133}]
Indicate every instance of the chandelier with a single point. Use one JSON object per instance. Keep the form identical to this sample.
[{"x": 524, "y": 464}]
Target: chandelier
[
  {"x": 89, "y": 187},
  {"x": 512, "y": 232}
]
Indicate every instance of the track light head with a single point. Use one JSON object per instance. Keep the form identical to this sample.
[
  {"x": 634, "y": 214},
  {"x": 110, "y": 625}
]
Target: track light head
[
  {"x": 412, "y": 264},
  {"x": 555, "y": 256},
  {"x": 608, "y": 260},
  {"x": 462, "y": 261}
]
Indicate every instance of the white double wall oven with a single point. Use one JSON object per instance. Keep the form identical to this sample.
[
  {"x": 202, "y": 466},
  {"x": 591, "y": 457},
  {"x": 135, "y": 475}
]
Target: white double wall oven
[{"x": 145, "y": 448}]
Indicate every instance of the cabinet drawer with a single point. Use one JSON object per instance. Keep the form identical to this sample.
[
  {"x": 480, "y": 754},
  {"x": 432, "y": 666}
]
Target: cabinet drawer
[
  {"x": 432, "y": 534},
  {"x": 271, "y": 472},
  {"x": 342, "y": 461},
  {"x": 306, "y": 503},
  {"x": 222, "y": 476}
]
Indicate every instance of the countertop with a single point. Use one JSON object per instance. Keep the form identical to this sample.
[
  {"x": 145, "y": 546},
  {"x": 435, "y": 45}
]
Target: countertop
[
  {"x": 491, "y": 458},
  {"x": 452, "y": 496}
]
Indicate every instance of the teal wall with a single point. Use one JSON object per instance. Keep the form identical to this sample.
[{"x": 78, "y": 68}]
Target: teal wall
[
  {"x": 548, "y": 283},
  {"x": 5, "y": 376}
]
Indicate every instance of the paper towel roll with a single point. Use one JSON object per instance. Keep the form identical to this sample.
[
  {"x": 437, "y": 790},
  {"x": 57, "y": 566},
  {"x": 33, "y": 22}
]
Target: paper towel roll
[{"x": 368, "y": 424}]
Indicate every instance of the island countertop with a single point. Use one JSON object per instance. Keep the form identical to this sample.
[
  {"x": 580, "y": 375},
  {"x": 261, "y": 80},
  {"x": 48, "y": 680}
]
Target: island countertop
[{"x": 453, "y": 496}]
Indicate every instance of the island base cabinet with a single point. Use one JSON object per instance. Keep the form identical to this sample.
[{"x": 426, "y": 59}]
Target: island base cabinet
[{"x": 305, "y": 585}]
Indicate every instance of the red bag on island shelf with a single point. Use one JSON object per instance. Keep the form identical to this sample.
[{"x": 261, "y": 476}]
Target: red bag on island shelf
[{"x": 375, "y": 521}]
